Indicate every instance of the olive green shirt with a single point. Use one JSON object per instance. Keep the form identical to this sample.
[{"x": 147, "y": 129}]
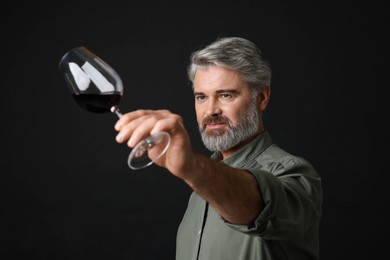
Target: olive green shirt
[{"x": 286, "y": 229}]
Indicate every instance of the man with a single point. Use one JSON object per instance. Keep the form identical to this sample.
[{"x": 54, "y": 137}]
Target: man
[{"x": 251, "y": 199}]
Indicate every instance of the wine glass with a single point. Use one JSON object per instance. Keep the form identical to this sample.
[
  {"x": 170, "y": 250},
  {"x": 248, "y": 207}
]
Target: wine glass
[{"x": 97, "y": 88}]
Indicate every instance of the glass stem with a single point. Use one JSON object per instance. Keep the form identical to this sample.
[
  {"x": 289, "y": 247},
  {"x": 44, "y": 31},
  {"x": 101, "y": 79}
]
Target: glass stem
[{"x": 115, "y": 110}]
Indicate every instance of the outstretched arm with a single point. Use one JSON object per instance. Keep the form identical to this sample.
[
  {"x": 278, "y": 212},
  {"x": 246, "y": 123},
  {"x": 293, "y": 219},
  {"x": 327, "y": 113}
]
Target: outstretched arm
[{"x": 234, "y": 193}]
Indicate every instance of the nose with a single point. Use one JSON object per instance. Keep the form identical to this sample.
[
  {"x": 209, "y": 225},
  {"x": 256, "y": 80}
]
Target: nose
[{"x": 213, "y": 108}]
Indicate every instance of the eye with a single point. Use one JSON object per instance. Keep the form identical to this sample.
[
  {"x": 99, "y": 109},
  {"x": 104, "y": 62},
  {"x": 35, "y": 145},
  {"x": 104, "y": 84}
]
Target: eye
[
  {"x": 226, "y": 96},
  {"x": 200, "y": 98}
]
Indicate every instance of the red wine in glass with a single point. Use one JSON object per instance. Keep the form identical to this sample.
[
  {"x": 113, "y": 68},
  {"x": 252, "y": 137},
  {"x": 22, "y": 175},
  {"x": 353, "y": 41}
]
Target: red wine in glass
[
  {"x": 98, "y": 88},
  {"x": 98, "y": 103}
]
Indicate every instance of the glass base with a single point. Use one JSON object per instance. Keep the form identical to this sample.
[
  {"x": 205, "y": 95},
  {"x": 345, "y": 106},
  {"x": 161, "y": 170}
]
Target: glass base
[{"x": 149, "y": 149}]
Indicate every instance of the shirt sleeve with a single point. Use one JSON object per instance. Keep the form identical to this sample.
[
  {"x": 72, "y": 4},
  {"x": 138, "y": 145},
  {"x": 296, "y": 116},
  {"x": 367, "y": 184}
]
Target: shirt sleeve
[{"x": 292, "y": 195}]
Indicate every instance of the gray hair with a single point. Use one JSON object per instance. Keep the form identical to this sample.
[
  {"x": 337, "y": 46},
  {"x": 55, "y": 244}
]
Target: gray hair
[{"x": 237, "y": 54}]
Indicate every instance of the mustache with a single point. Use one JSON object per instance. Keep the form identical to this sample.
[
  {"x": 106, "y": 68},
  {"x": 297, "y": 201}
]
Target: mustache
[{"x": 215, "y": 119}]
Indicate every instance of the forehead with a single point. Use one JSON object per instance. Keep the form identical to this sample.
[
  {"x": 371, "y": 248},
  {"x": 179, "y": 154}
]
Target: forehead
[{"x": 215, "y": 78}]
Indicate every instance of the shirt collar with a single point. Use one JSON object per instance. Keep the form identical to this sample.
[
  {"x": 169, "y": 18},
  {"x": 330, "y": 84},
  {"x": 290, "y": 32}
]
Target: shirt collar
[{"x": 249, "y": 151}]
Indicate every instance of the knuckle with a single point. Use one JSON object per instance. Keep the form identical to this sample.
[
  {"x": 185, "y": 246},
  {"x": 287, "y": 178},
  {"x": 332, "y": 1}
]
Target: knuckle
[
  {"x": 165, "y": 111},
  {"x": 141, "y": 112},
  {"x": 176, "y": 118}
]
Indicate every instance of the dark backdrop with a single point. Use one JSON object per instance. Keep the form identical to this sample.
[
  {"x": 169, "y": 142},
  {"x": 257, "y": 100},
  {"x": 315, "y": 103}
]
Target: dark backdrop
[{"x": 66, "y": 191}]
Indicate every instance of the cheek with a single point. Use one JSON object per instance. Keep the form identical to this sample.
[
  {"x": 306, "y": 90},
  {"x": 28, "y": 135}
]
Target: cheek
[
  {"x": 234, "y": 113},
  {"x": 199, "y": 114}
]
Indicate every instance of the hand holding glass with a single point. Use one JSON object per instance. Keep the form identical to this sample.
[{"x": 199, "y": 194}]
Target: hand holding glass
[{"x": 97, "y": 88}]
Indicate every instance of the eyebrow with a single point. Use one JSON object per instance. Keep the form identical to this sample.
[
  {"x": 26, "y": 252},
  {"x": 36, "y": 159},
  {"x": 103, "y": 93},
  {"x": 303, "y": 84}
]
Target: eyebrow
[{"x": 232, "y": 91}]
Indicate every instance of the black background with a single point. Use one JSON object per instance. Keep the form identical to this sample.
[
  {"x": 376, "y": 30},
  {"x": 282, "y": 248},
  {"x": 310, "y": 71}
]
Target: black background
[{"x": 66, "y": 191}]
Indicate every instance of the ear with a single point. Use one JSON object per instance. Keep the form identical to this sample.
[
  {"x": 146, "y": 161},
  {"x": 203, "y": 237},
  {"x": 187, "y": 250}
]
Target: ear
[{"x": 263, "y": 97}]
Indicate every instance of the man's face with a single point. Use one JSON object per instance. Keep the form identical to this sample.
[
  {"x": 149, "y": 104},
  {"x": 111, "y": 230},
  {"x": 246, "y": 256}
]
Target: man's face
[{"x": 226, "y": 110}]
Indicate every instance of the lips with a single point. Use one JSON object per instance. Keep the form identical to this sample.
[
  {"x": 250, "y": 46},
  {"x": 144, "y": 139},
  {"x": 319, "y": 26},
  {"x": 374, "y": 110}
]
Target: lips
[
  {"x": 212, "y": 126},
  {"x": 215, "y": 123}
]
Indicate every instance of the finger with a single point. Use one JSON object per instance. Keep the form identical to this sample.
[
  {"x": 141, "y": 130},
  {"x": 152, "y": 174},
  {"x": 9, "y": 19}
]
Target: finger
[
  {"x": 128, "y": 117},
  {"x": 142, "y": 130},
  {"x": 168, "y": 124},
  {"x": 127, "y": 129}
]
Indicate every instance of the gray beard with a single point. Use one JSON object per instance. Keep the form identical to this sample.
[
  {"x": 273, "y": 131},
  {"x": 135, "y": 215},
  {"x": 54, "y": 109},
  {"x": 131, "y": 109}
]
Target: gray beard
[{"x": 224, "y": 140}]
